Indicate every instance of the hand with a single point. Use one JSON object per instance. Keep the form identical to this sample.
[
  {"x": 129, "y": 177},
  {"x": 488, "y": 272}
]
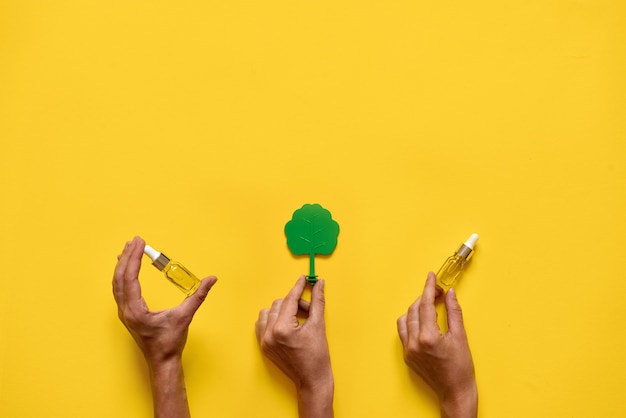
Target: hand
[
  {"x": 444, "y": 361},
  {"x": 160, "y": 335},
  {"x": 300, "y": 350}
]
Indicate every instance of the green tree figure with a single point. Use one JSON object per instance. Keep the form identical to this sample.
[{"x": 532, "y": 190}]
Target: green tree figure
[{"x": 311, "y": 231}]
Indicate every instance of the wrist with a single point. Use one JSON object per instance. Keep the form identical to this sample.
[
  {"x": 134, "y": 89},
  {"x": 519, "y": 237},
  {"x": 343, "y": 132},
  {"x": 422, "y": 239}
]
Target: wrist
[
  {"x": 161, "y": 366},
  {"x": 315, "y": 399},
  {"x": 169, "y": 394},
  {"x": 460, "y": 405}
]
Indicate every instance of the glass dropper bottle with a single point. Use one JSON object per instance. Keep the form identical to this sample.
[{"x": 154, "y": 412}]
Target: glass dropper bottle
[
  {"x": 174, "y": 271},
  {"x": 452, "y": 269}
]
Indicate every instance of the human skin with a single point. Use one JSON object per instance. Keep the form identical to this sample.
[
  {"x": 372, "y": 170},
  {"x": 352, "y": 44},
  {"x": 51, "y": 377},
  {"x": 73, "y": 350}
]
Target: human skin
[
  {"x": 161, "y": 335},
  {"x": 300, "y": 350},
  {"x": 443, "y": 361}
]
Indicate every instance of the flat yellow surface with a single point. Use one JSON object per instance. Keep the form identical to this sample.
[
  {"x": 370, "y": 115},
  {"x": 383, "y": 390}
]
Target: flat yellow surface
[{"x": 202, "y": 126}]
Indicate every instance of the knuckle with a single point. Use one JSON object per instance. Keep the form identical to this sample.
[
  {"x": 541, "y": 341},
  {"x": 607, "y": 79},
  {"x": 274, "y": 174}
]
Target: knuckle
[
  {"x": 412, "y": 350},
  {"x": 454, "y": 307},
  {"x": 268, "y": 344},
  {"x": 201, "y": 296},
  {"x": 128, "y": 316},
  {"x": 427, "y": 340},
  {"x": 280, "y": 332},
  {"x": 125, "y": 313}
]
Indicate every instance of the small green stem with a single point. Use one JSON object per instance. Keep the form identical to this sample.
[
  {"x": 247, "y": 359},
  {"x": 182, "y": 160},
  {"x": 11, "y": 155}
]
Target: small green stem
[
  {"x": 311, "y": 278},
  {"x": 312, "y": 264}
]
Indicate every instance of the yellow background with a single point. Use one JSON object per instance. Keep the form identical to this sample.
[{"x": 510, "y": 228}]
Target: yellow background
[{"x": 202, "y": 126}]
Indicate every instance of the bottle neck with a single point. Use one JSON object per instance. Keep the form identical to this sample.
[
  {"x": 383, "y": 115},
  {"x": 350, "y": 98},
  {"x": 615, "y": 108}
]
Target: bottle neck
[
  {"x": 465, "y": 251},
  {"x": 161, "y": 261}
]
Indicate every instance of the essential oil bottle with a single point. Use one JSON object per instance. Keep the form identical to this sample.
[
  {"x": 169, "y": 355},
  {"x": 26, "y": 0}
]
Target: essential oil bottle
[
  {"x": 174, "y": 271},
  {"x": 452, "y": 269}
]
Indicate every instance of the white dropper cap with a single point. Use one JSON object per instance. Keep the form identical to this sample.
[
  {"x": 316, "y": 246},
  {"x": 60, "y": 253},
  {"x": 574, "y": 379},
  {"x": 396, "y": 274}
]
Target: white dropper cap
[
  {"x": 471, "y": 241},
  {"x": 159, "y": 260},
  {"x": 151, "y": 252}
]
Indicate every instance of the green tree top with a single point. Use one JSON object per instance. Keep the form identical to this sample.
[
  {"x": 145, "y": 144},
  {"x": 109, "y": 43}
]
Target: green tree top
[{"x": 311, "y": 231}]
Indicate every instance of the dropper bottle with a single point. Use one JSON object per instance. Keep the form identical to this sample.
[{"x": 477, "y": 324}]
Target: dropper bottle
[
  {"x": 452, "y": 269},
  {"x": 174, "y": 271}
]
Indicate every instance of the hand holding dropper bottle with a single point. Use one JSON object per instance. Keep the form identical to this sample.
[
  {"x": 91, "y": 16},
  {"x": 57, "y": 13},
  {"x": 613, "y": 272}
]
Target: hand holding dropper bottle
[
  {"x": 174, "y": 271},
  {"x": 452, "y": 269}
]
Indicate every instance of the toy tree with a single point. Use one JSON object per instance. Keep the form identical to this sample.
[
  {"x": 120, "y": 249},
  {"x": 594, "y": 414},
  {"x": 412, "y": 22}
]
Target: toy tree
[{"x": 311, "y": 231}]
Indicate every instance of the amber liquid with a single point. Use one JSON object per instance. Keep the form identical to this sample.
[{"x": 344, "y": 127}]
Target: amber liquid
[
  {"x": 181, "y": 277},
  {"x": 450, "y": 272}
]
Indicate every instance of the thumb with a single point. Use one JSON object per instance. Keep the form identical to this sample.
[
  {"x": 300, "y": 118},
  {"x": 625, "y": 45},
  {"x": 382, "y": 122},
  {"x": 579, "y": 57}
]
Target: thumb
[
  {"x": 190, "y": 305},
  {"x": 318, "y": 302},
  {"x": 454, "y": 313}
]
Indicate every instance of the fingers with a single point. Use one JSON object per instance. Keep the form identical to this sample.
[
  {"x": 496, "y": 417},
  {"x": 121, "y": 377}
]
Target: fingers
[
  {"x": 274, "y": 311},
  {"x": 454, "y": 313},
  {"x": 190, "y": 305},
  {"x": 304, "y": 305},
  {"x": 132, "y": 289},
  {"x": 423, "y": 309},
  {"x": 261, "y": 324},
  {"x": 316, "y": 308},
  {"x": 403, "y": 331},
  {"x": 438, "y": 291},
  {"x": 118, "y": 275},
  {"x": 427, "y": 312},
  {"x": 289, "y": 307},
  {"x": 413, "y": 315},
  {"x": 267, "y": 319}
]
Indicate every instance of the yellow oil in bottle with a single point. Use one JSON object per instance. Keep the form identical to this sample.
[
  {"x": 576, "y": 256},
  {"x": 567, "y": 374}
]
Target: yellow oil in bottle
[
  {"x": 452, "y": 268},
  {"x": 449, "y": 273},
  {"x": 174, "y": 271},
  {"x": 181, "y": 277}
]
